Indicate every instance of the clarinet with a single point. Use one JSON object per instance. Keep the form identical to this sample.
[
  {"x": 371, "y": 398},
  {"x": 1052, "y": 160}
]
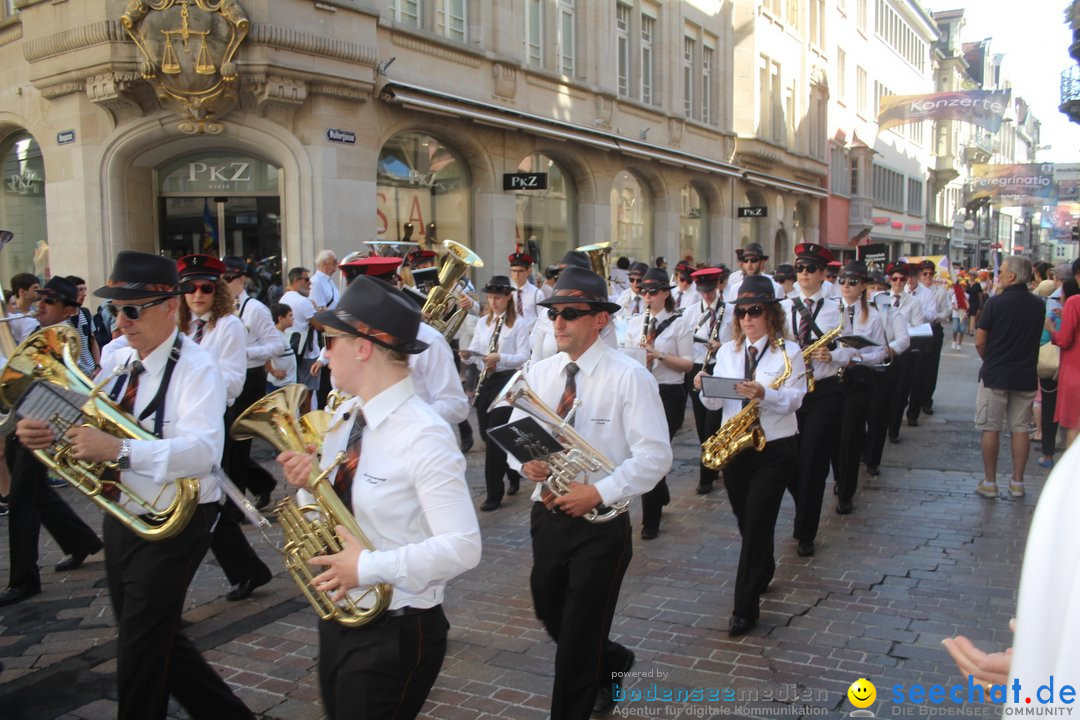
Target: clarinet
[
  {"x": 715, "y": 334},
  {"x": 492, "y": 347}
]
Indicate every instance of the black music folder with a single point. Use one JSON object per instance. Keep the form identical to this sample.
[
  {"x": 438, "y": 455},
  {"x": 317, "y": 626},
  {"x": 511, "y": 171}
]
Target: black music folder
[
  {"x": 856, "y": 341},
  {"x": 525, "y": 439}
]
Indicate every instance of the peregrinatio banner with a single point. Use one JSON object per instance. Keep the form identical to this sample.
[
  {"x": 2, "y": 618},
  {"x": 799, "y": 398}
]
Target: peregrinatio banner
[
  {"x": 1027, "y": 184},
  {"x": 984, "y": 108}
]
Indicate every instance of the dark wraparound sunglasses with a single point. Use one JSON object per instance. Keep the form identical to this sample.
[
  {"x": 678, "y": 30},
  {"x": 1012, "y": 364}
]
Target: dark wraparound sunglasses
[
  {"x": 898, "y": 278},
  {"x": 848, "y": 281},
  {"x": 206, "y": 288},
  {"x": 568, "y": 314},
  {"x": 807, "y": 267},
  {"x": 134, "y": 312},
  {"x": 754, "y": 311},
  {"x": 652, "y": 291},
  {"x": 751, "y": 259}
]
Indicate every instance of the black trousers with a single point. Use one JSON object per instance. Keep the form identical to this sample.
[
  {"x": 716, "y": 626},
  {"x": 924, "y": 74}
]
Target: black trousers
[
  {"x": 706, "y": 422},
  {"x": 755, "y": 483},
  {"x": 32, "y": 504},
  {"x": 924, "y": 378},
  {"x": 673, "y": 398},
  {"x": 1049, "y": 405},
  {"x": 819, "y": 424},
  {"x": 907, "y": 364},
  {"x": 324, "y": 386},
  {"x": 147, "y": 583},
  {"x": 881, "y": 402},
  {"x": 857, "y": 385},
  {"x": 931, "y": 385},
  {"x": 578, "y": 569},
  {"x": 245, "y": 474},
  {"x": 495, "y": 462},
  {"x": 384, "y": 669}
]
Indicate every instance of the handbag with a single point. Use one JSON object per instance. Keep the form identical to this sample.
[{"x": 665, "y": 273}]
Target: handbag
[{"x": 1049, "y": 360}]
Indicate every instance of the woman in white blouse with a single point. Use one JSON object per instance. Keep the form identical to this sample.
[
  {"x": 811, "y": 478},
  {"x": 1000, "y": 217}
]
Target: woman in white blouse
[
  {"x": 755, "y": 481},
  {"x": 857, "y": 381},
  {"x": 500, "y": 356},
  {"x": 669, "y": 354}
]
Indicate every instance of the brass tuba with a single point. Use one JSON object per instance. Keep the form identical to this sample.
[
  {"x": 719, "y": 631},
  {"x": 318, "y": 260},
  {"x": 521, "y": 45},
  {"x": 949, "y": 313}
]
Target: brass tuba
[
  {"x": 599, "y": 257},
  {"x": 578, "y": 457},
  {"x": 307, "y": 535},
  {"x": 742, "y": 430},
  {"x": 440, "y": 309},
  {"x": 50, "y": 356}
]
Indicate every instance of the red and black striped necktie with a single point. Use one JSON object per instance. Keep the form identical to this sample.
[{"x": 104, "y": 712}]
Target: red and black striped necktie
[
  {"x": 566, "y": 402},
  {"x": 344, "y": 479},
  {"x": 200, "y": 325}
]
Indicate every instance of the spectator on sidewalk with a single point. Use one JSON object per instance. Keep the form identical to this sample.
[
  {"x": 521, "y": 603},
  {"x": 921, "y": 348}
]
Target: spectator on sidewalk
[
  {"x": 1067, "y": 413},
  {"x": 1007, "y": 340}
]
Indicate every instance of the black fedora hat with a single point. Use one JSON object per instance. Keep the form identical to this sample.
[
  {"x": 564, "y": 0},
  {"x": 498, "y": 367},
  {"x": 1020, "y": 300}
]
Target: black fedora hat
[
  {"x": 638, "y": 268},
  {"x": 234, "y": 265},
  {"x": 756, "y": 289},
  {"x": 373, "y": 309},
  {"x": 575, "y": 258},
  {"x": 655, "y": 279},
  {"x": 752, "y": 250},
  {"x": 60, "y": 289},
  {"x": 135, "y": 274},
  {"x": 784, "y": 271},
  {"x": 578, "y": 285},
  {"x": 499, "y": 285}
]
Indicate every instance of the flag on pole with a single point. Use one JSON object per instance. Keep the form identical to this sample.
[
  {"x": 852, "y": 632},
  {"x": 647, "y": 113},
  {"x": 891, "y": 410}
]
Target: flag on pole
[{"x": 209, "y": 229}]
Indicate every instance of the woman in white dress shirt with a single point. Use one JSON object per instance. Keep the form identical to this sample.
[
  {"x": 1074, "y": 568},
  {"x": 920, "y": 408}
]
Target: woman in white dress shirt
[
  {"x": 501, "y": 357},
  {"x": 857, "y": 381},
  {"x": 669, "y": 354},
  {"x": 755, "y": 481},
  {"x": 206, "y": 316}
]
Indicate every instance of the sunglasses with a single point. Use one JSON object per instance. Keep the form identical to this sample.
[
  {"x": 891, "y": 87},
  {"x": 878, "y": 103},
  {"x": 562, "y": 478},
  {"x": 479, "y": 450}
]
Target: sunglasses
[
  {"x": 49, "y": 300},
  {"x": 898, "y": 278},
  {"x": 206, "y": 288},
  {"x": 134, "y": 312},
  {"x": 807, "y": 267},
  {"x": 848, "y": 281},
  {"x": 568, "y": 314},
  {"x": 754, "y": 311},
  {"x": 329, "y": 339},
  {"x": 230, "y": 278},
  {"x": 634, "y": 279},
  {"x": 751, "y": 259},
  {"x": 651, "y": 292}
]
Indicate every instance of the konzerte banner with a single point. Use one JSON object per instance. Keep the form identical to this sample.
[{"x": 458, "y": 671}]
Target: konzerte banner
[{"x": 984, "y": 108}]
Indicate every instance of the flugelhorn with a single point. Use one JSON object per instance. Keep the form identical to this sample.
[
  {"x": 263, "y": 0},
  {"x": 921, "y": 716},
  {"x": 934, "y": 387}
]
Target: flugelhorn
[{"x": 310, "y": 530}]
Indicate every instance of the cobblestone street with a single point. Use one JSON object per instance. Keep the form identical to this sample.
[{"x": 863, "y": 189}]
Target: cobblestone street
[{"x": 921, "y": 558}]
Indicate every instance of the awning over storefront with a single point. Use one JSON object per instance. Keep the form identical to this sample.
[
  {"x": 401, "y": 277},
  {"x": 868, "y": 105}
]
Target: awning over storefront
[
  {"x": 785, "y": 184},
  {"x": 428, "y": 100}
]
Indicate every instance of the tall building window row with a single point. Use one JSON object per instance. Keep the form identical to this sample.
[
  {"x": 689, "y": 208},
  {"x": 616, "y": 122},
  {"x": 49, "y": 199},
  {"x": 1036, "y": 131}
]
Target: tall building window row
[
  {"x": 648, "y": 58},
  {"x": 915, "y": 192},
  {"x": 880, "y": 91},
  {"x": 770, "y": 101},
  {"x": 860, "y": 92},
  {"x": 623, "y": 14},
  {"x": 862, "y": 15},
  {"x": 898, "y": 35},
  {"x": 841, "y": 75},
  {"x": 817, "y": 22},
  {"x": 888, "y": 188},
  {"x": 688, "y": 76},
  {"x": 566, "y": 37},
  {"x": 534, "y": 33},
  {"x": 839, "y": 172}
]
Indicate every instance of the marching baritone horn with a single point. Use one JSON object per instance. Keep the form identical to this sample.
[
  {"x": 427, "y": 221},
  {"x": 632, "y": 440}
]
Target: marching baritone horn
[
  {"x": 440, "y": 309},
  {"x": 310, "y": 530}
]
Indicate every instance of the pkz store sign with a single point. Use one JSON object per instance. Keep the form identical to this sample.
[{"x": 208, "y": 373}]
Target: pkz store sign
[
  {"x": 224, "y": 173},
  {"x": 525, "y": 181}
]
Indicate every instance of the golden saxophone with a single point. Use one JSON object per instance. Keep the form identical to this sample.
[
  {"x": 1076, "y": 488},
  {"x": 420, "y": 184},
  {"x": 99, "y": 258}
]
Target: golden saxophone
[
  {"x": 743, "y": 429},
  {"x": 310, "y": 530},
  {"x": 819, "y": 343},
  {"x": 492, "y": 347}
]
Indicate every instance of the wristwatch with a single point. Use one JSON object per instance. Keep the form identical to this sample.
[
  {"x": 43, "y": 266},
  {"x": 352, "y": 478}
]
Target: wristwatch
[{"x": 123, "y": 459}]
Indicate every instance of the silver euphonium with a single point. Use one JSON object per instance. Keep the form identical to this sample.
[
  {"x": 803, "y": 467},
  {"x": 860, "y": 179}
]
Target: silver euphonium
[{"x": 577, "y": 457}]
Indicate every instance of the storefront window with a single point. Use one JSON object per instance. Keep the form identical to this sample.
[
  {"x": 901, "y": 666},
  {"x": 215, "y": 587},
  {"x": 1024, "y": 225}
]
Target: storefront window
[
  {"x": 752, "y": 229},
  {"x": 693, "y": 227},
  {"x": 631, "y": 218},
  {"x": 22, "y": 208},
  {"x": 545, "y": 224},
  {"x": 422, "y": 192}
]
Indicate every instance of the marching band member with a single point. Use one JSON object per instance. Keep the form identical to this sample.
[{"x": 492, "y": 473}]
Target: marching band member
[
  {"x": 711, "y": 320},
  {"x": 900, "y": 275},
  {"x": 413, "y": 506},
  {"x": 684, "y": 293},
  {"x": 630, "y": 301},
  {"x": 785, "y": 276},
  {"x": 578, "y": 566},
  {"x": 751, "y": 262},
  {"x": 526, "y": 295},
  {"x": 543, "y": 332},
  {"x": 936, "y": 310},
  {"x": 755, "y": 481},
  {"x": 895, "y": 326},
  {"x": 857, "y": 381},
  {"x": 500, "y": 345},
  {"x": 669, "y": 348},
  {"x": 206, "y": 317},
  {"x": 810, "y": 316},
  {"x": 170, "y": 384}
]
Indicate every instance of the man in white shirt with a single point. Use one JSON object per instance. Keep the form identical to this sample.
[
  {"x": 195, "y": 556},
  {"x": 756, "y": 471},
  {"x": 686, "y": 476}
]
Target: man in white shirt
[
  {"x": 909, "y": 307},
  {"x": 751, "y": 262},
  {"x": 630, "y": 300},
  {"x": 897, "y": 342},
  {"x": 578, "y": 565},
  {"x": 684, "y": 294},
  {"x": 304, "y": 331},
  {"x": 525, "y": 295},
  {"x": 323, "y": 292},
  {"x": 404, "y": 482},
  {"x": 24, "y": 286},
  {"x": 937, "y": 309}
]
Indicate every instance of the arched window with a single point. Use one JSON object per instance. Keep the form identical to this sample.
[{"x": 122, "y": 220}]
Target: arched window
[
  {"x": 423, "y": 189},
  {"x": 545, "y": 220},
  {"x": 752, "y": 229},
  {"x": 22, "y": 207},
  {"x": 693, "y": 226},
  {"x": 631, "y": 218}
]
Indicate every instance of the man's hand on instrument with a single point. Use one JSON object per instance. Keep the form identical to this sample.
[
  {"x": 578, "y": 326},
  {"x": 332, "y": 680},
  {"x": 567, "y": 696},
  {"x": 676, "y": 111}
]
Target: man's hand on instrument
[
  {"x": 297, "y": 467},
  {"x": 491, "y": 360},
  {"x": 579, "y": 500},
  {"x": 91, "y": 444},
  {"x": 536, "y": 470},
  {"x": 34, "y": 434},
  {"x": 713, "y": 345},
  {"x": 464, "y": 302},
  {"x": 340, "y": 574},
  {"x": 822, "y": 354}
]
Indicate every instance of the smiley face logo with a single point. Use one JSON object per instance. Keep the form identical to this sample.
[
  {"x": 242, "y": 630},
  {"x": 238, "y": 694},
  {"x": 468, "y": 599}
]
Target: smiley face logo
[{"x": 862, "y": 693}]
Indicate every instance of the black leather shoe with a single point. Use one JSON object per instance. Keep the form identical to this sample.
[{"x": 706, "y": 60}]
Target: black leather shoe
[
  {"x": 928, "y": 410},
  {"x": 605, "y": 703},
  {"x": 912, "y": 422},
  {"x": 262, "y": 500},
  {"x": 704, "y": 488},
  {"x": 844, "y": 507},
  {"x": 740, "y": 626},
  {"x": 512, "y": 487},
  {"x": 894, "y": 439},
  {"x": 649, "y": 533},
  {"x": 488, "y": 506},
  {"x": 466, "y": 436},
  {"x": 806, "y": 548},
  {"x": 18, "y": 593},
  {"x": 72, "y": 562},
  {"x": 244, "y": 588},
  {"x": 873, "y": 470}
]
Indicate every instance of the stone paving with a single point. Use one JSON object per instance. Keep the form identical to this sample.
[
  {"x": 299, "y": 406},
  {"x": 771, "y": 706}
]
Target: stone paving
[{"x": 921, "y": 558}]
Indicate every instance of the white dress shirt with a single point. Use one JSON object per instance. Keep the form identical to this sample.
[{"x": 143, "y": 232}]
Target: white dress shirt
[
  {"x": 530, "y": 295},
  {"x": 512, "y": 346},
  {"x": 436, "y": 378},
  {"x": 699, "y": 316},
  {"x": 620, "y": 415},
  {"x": 827, "y": 320},
  {"x": 778, "y": 406},
  {"x": 193, "y": 431},
  {"x": 226, "y": 341},
  {"x": 631, "y": 303},
  {"x": 676, "y": 339},
  {"x": 909, "y": 307},
  {"x": 684, "y": 298},
  {"x": 543, "y": 337},
  {"x": 409, "y": 496},
  {"x": 263, "y": 339},
  {"x": 323, "y": 292},
  {"x": 871, "y": 327},
  {"x": 934, "y": 303},
  {"x": 303, "y": 310},
  {"x": 893, "y": 322}
]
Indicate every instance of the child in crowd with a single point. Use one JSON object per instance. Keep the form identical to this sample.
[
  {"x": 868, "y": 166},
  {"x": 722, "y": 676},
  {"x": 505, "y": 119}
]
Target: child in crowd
[{"x": 281, "y": 370}]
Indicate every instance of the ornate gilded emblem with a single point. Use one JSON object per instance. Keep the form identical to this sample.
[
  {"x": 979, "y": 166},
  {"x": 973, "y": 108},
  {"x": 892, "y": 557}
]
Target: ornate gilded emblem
[{"x": 188, "y": 48}]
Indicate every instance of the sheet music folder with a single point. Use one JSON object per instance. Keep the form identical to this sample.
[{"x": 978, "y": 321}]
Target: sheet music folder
[{"x": 525, "y": 439}]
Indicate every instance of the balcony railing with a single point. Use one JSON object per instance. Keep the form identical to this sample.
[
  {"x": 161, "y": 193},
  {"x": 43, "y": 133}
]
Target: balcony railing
[{"x": 1070, "y": 93}]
